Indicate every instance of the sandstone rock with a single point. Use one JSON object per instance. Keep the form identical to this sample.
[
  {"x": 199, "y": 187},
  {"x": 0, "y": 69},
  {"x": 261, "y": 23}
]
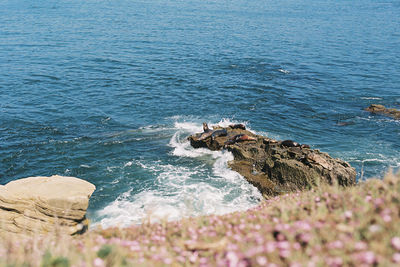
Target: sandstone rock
[
  {"x": 380, "y": 109},
  {"x": 275, "y": 168},
  {"x": 45, "y": 204}
]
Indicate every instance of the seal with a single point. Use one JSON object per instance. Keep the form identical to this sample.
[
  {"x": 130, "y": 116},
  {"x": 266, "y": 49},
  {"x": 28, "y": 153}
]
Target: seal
[
  {"x": 207, "y": 132},
  {"x": 217, "y": 133},
  {"x": 238, "y": 126},
  {"x": 205, "y": 127},
  {"x": 291, "y": 143},
  {"x": 240, "y": 138}
]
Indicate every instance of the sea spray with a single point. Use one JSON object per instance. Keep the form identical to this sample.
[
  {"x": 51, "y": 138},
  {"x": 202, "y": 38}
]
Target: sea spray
[{"x": 208, "y": 187}]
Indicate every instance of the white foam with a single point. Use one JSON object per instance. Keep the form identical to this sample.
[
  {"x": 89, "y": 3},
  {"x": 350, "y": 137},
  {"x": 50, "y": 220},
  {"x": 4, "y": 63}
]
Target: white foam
[
  {"x": 372, "y": 98},
  {"x": 128, "y": 164},
  {"x": 182, "y": 191},
  {"x": 85, "y": 166},
  {"x": 188, "y": 126},
  {"x": 284, "y": 71}
]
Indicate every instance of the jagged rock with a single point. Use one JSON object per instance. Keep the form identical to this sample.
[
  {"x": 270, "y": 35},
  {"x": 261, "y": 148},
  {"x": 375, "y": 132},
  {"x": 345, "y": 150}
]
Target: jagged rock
[
  {"x": 39, "y": 205},
  {"x": 380, "y": 109},
  {"x": 277, "y": 167}
]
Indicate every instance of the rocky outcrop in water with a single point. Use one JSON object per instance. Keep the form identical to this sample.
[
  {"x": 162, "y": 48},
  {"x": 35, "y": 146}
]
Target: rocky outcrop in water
[
  {"x": 380, "y": 109},
  {"x": 40, "y": 205},
  {"x": 276, "y": 167}
]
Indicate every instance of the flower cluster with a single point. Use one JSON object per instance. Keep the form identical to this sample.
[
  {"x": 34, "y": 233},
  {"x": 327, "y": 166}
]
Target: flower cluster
[{"x": 328, "y": 226}]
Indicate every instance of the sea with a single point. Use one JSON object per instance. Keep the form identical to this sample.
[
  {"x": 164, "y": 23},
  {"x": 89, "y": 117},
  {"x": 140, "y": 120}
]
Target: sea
[{"x": 108, "y": 91}]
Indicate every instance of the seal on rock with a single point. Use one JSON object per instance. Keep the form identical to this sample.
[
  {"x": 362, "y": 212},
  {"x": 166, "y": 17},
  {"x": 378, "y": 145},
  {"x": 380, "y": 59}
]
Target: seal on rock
[
  {"x": 291, "y": 143},
  {"x": 217, "y": 133},
  {"x": 238, "y": 126},
  {"x": 207, "y": 132},
  {"x": 240, "y": 138}
]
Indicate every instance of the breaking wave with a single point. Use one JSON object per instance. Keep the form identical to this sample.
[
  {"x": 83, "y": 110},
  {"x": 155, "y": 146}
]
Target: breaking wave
[{"x": 200, "y": 185}]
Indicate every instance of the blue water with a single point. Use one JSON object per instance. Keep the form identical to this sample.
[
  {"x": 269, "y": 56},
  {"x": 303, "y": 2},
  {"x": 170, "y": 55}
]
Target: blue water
[{"x": 108, "y": 90}]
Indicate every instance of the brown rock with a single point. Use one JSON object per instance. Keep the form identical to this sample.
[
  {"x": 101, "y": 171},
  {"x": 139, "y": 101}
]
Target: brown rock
[
  {"x": 380, "y": 109},
  {"x": 44, "y": 204},
  {"x": 274, "y": 168}
]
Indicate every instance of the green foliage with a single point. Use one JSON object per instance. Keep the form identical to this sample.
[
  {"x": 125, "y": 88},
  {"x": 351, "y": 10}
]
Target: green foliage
[
  {"x": 49, "y": 261},
  {"x": 105, "y": 251}
]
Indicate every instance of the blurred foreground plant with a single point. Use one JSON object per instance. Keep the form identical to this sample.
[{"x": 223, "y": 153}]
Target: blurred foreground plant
[{"x": 327, "y": 226}]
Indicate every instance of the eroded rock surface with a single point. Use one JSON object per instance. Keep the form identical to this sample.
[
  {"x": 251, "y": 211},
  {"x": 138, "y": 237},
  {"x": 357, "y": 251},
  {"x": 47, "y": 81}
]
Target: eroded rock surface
[
  {"x": 39, "y": 205},
  {"x": 380, "y": 109},
  {"x": 277, "y": 167}
]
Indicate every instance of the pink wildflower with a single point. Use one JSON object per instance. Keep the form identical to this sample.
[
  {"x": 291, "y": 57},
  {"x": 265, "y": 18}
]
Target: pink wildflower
[
  {"x": 203, "y": 261},
  {"x": 135, "y": 247},
  {"x": 335, "y": 244},
  {"x": 360, "y": 246},
  {"x": 348, "y": 214},
  {"x": 193, "y": 258},
  {"x": 180, "y": 258},
  {"x": 280, "y": 237},
  {"x": 297, "y": 246},
  {"x": 80, "y": 246},
  {"x": 261, "y": 260},
  {"x": 304, "y": 238},
  {"x": 222, "y": 263},
  {"x": 237, "y": 237},
  {"x": 387, "y": 218},
  {"x": 232, "y": 246},
  {"x": 367, "y": 257},
  {"x": 97, "y": 262},
  {"x": 396, "y": 258},
  {"x": 232, "y": 258},
  {"x": 100, "y": 240},
  {"x": 374, "y": 228},
  {"x": 284, "y": 253},
  {"x": 334, "y": 262},
  {"x": 302, "y": 225},
  {"x": 283, "y": 245},
  {"x": 378, "y": 202},
  {"x": 259, "y": 240},
  {"x": 167, "y": 261},
  {"x": 270, "y": 247},
  {"x": 396, "y": 243},
  {"x": 254, "y": 251}
]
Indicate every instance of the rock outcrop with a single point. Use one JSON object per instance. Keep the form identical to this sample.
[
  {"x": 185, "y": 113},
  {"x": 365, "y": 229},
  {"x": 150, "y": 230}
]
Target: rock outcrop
[
  {"x": 380, "y": 109},
  {"x": 40, "y": 205},
  {"x": 277, "y": 167}
]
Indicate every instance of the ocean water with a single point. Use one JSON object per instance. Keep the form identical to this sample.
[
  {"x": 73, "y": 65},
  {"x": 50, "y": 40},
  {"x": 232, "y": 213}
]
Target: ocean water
[{"x": 108, "y": 91}]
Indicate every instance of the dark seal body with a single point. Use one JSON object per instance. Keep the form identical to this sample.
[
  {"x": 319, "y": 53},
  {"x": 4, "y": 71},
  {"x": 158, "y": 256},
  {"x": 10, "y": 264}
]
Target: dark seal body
[
  {"x": 206, "y": 132},
  {"x": 217, "y": 133},
  {"x": 238, "y": 126},
  {"x": 240, "y": 138},
  {"x": 290, "y": 143}
]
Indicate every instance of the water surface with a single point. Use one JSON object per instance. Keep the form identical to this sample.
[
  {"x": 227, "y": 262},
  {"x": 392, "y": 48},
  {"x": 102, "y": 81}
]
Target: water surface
[{"x": 108, "y": 91}]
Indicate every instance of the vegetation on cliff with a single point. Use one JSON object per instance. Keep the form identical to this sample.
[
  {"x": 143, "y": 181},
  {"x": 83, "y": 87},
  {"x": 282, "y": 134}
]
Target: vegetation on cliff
[{"x": 328, "y": 225}]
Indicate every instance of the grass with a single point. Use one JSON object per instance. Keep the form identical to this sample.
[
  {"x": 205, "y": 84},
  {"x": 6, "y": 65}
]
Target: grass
[{"x": 327, "y": 226}]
